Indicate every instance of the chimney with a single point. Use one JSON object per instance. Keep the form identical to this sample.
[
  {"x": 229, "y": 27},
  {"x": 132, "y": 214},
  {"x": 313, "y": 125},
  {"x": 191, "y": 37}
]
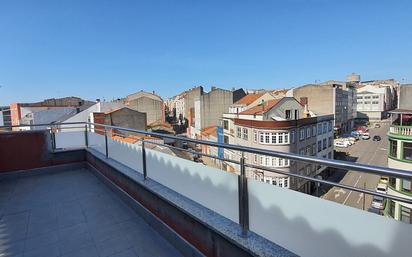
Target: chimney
[
  {"x": 306, "y": 112},
  {"x": 77, "y": 110},
  {"x": 153, "y": 92}
]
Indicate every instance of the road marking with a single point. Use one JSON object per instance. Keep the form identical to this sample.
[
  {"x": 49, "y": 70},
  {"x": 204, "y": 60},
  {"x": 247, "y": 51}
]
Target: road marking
[
  {"x": 338, "y": 192},
  {"x": 356, "y": 183},
  {"x": 360, "y": 198}
]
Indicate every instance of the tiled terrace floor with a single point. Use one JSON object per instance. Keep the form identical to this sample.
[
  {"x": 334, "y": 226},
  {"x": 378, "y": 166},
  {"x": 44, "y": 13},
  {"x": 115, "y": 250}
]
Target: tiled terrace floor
[{"x": 72, "y": 214}]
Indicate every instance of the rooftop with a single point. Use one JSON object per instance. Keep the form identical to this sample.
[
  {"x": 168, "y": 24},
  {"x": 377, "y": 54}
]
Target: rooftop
[
  {"x": 72, "y": 213},
  {"x": 262, "y": 108},
  {"x": 248, "y": 99}
]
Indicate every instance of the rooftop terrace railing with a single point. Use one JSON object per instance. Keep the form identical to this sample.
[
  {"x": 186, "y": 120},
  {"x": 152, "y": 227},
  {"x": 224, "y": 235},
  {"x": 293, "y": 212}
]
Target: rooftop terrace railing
[{"x": 86, "y": 136}]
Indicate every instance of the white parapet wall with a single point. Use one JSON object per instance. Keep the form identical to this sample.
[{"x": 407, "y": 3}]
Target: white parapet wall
[{"x": 303, "y": 224}]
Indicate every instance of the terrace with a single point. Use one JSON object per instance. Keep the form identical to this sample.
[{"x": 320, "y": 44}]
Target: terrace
[{"x": 72, "y": 190}]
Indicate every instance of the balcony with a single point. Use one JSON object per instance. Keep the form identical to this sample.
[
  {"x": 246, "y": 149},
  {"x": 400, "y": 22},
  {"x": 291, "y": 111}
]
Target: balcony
[
  {"x": 401, "y": 130},
  {"x": 73, "y": 190}
]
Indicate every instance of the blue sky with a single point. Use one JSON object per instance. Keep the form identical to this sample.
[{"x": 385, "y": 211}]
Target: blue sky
[{"x": 108, "y": 49}]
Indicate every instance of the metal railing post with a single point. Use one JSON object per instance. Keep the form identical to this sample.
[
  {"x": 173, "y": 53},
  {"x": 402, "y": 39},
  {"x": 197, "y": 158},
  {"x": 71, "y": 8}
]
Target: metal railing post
[
  {"x": 86, "y": 136},
  {"x": 106, "y": 143},
  {"x": 53, "y": 136},
  {"x": 243, "y": 198},
  {"x": 144, "y": 160}
]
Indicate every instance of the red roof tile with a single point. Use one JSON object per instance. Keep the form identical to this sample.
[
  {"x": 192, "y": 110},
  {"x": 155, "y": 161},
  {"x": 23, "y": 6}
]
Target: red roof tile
[
  {"x": 261, "y": 109},
  {"x": 248, "y": 99}
]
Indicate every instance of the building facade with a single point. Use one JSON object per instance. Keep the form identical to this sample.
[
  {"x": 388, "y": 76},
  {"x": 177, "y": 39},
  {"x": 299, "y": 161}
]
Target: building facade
[
  {"x": 206, "y": 109},
  {"x": 400, "y": 156},
  {"x": 331, "y": 97},
  {"x": 374, "y": 100},
  {"x": 280, "y": 125},
  {"x": 149, "y": 103}
]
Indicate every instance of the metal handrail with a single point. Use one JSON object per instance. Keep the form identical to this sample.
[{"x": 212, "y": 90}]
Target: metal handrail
[
  {"x": 242, "y": 179},
  {"x": 345, "y": 165}
]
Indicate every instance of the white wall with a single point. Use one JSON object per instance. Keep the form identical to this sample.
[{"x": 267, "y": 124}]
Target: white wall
[
  {"x": 72, "y": 139},
  {"x": 310, "y": 226},
  {"x": 305, "y": 225},
  {"x": 1, "y": 119}
]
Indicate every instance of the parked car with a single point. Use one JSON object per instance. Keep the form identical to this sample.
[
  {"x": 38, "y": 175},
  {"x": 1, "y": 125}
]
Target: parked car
[
  {"x": 341, "y": 144},
  {"x": 382, "y": 188},
  {"x": 384, "y": 180},
  {"x": 377, "y": 125},
  {"x": 378, "y": 203},
  {"x": 376, "y": 138},
  {"x": 365, "y": 136}
]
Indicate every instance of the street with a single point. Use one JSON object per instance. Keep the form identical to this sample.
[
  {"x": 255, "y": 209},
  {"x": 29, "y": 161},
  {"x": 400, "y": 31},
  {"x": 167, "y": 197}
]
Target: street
[{"x": 366, "y": 152}]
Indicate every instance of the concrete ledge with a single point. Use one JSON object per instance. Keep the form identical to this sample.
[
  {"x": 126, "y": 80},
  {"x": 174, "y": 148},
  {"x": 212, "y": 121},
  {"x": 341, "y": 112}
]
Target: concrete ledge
[{"x": 209, "y": 232}]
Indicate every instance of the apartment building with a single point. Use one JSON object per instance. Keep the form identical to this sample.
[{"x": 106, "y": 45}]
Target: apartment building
[
  {"x": 331, "y": 97},
  {"x": 149, "y": 103},
  {"x": 205, "y": 109},
  {"x": 400, "y": 155},
  {"x": 282, "y": 125}
]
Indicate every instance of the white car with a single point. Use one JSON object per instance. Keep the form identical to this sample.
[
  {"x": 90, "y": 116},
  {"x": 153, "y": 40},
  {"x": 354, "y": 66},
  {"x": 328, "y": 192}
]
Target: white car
[
  {"x": 382, "y": 188},
  {"x": 341, "y": 144},
  {"x": 365, "y": 136},
  {"x": 378, "y": 203}
]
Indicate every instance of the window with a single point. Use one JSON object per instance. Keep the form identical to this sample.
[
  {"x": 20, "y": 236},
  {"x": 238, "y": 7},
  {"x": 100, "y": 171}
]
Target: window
[
  {"x": 405, "y": 214},
  {"x": 406, "y": 185},
  {"x": 367, "y": 97},
  {"x": 325, "y": 127},
  {"x": 301, "y": 134},
  {"x": 292, "y": 135},
  {"x": 308, "y": 132},
  {"x": 239, "y": 132},
  {"x": 302, "y": 151},
  {"x": 267, "y": 161},
  {"x": 314, "y": 149},
  {"x": 288, "y": 115},
  {"x": 329, "y": 141},
  {"x": 261, "y": 160},
  {"x": 255, "y": 136},
  {"x": 407, "y": 151},
  {"x": 319, "y": 146},
  {"x": 308, "y": 150},
  {"x": 226, "y": 139},
  {"x": 314, "y": 130},
  {"x": 375, "y": 97},
  {"x": 330, "y": 155},
  {"x": 286, "y": 183},
  {"x": 255, "y": 158},
  {"x": 330, "y": 126},
  {"x": 274, "y": 138},
  {"x": 286, "y": 135},
  {"x": 324, "y": 143},
  {"x": 391, "y": 208},
  {"x": 280, "y": 138},
  {"x": 392, "y": 181},
  {"x": 245, "y": 133},
  {"x": 367, "y": 102},
  {"x": 267, "y": 137},
  {"x": 319, "y": 128},
  {"x": 375, "y": 102},
  {"x": 261, "y": 137},
  {"x": 225, "y": 124},
  {"x": 393, "y": 148}
]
